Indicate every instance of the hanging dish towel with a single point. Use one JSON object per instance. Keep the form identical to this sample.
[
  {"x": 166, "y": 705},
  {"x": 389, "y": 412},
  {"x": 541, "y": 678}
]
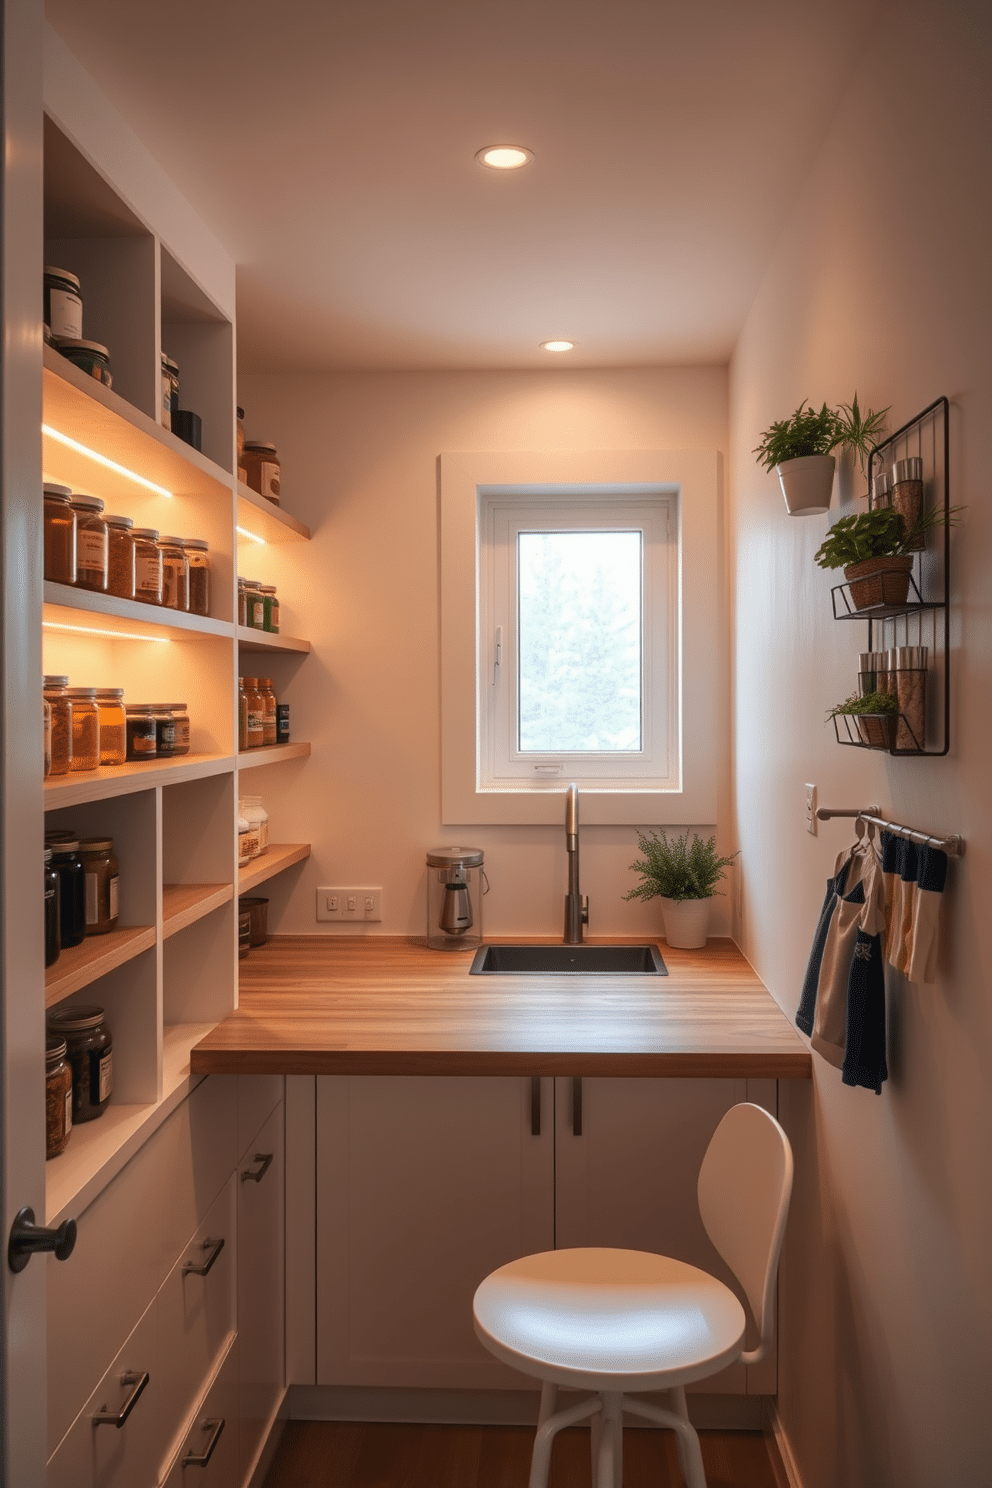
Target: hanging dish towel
[{"x": 914, "y": 885}]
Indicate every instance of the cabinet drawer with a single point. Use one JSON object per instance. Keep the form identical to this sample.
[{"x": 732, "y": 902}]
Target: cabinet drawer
[
  {"x": 197, "y": 1312},
  {"x": 106, "y": 1456},
  {"x": 201, "y": 1151},
  {"x": 214, "y": 1431},
  {"x": 261, "y": 1288},
  {"x": 258, "y": 1096}
]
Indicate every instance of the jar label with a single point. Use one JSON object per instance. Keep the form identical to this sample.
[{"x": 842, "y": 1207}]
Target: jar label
[
  {"x": 256, "y": 720},
  {"x": 263, "y": 835},
  {"x": 257, "y": 621},
  {"x": 91, "y": 550},
  {"x": 143, "y": 744},
  {"x": 105, "y": 1081},
  {"x": 254, "y": 847},
  {"x": 66, "y": 314},
  {"x": 147, "y": 573},
  {"x": 68, "y": 1110},
  {"x": 269, "y": 479},
  {"x": 113, "y": 897}
]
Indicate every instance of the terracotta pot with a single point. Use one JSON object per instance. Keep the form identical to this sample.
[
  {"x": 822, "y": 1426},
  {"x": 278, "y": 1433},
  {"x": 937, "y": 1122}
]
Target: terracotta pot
[
  {"x": 686, "y": 922},
  {"x": 807, "y": 484},
  {"x": 879, "y": 581}
]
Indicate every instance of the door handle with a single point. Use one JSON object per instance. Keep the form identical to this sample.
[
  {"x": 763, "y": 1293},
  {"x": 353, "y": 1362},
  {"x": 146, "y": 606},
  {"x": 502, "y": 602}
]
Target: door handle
[
  {"x": 577, "y": 1106},
  {"x": 28, "y": 1239},
  {"x": 136, "y": 1383},
  {"x": 215, "y": 1247},
  {"x": 256, "y": 1177},
  {"x": 200, "y": 1459},
  {"x": 535, "y": 1105}
]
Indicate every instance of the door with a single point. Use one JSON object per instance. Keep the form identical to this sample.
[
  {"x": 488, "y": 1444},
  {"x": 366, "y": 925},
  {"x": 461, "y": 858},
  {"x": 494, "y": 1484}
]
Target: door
[{"x": 22, "y": 1061}]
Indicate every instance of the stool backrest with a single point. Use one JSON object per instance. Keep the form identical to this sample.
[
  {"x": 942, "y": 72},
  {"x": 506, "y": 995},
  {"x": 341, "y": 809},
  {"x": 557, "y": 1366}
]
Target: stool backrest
[{"x": 745, "y": 1183}]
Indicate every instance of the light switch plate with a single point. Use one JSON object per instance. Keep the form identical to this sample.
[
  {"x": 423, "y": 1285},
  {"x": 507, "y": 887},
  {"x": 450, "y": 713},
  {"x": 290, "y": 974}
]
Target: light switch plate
[
  {"x": 811, "y": 810},
  {"x": 351, "y": 904}
]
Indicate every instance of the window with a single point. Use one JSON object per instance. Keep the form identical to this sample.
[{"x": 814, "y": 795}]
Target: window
[{"x": 579, "y": 600}]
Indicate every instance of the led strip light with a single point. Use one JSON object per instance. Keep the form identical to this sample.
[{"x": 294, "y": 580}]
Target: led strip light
[{"x": 82, "y": 449}]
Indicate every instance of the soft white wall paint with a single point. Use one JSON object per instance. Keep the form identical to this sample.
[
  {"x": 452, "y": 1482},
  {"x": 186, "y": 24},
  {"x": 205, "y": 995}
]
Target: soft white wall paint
[
  {"x": 359, "y": 454},
  {"x": 881, "y": 282}
]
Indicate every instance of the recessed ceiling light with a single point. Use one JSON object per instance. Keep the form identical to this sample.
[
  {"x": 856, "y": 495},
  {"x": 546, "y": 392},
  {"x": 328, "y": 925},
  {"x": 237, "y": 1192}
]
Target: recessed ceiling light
[
  {"x": 557, "y": 345},
  {"x": 504, "y": 157}
]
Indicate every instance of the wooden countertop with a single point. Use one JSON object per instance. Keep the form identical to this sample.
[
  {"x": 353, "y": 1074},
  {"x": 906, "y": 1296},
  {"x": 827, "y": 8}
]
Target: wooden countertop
[{"x": 390, "y": 1006}]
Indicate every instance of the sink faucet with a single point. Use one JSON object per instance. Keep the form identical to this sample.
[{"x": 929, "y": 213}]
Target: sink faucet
[{"x": 576, "y": 906}]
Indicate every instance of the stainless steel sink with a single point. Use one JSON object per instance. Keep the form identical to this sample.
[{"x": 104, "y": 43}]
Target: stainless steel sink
[{"x": 568, "y": 960}]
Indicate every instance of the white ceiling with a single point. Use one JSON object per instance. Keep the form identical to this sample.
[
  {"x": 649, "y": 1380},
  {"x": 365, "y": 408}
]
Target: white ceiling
[{"x": 331, "y": 145}]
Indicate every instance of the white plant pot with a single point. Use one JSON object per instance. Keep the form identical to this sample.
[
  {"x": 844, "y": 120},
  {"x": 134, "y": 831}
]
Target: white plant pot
[
  {"x": 686, "y": 922},
  {"x": 807, "y": 484}
]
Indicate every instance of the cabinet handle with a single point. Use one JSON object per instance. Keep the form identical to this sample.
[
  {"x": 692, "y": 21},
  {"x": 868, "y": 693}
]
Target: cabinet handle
[
  {"x": 28, "y": 1239},
  {"x": 215, "y": 1247},
  {"x": 256, "y": 1177},
  {"x": 577, "y": 1106},
  {"x": 535, "y": 1105},
  {"x": 136, "y": 1383},
  {"x": 200, "y": 1459}
]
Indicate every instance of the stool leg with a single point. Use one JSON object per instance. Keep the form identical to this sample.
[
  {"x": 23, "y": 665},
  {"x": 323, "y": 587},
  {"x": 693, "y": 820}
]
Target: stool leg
[
  {"x": 595, "y": 1432},
  {"x": 610, "y": 1464},
  {"x": 549, "y": 1396},
  {"x": 540, "y": 1461}
]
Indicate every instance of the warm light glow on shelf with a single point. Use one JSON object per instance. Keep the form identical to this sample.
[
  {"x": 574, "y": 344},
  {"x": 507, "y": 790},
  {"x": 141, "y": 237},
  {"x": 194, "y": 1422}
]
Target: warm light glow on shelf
[
  {"x": 254, "y": 537},
  {"x": 116, "y": 635},
  {"x": 83, "y": 449}
]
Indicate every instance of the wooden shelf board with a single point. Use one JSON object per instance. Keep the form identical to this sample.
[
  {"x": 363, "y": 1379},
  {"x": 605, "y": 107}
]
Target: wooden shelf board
[
  {"x": 184, "y": 904},
  {"x": 266, "y": 520},
  {"x": 278, "y": 855},
  {"x": 80, "y": 965},
  {"x": 77, "y": 405},
  {"x": 65, "y": 605},
  {"x": 124, "y": 780},
  {"x": 257, "y": 640},
  {"x": 272, "y": 754}
]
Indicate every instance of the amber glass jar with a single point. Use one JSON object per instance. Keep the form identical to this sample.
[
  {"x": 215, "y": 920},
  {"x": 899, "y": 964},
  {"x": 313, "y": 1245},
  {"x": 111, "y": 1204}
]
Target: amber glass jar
[
  {"x": 92, "y": 554},
  {"x": 53, "y": 942},
  {"x": 255, "y": 727},
  {"x": 113, "y": 744},
  {"x": 46, "y": 731},
  {"x": 268, "y": 697},
  {"x": 101, "y": 869},
  {"x": 120, "y": 560},
  {"x": 90, "y": 1049},
  {"x": 58, "y": 1096},
  {"x": 58, "y": 700},
  {"x": 262, "y": 465},
  {"x": 198, "y": 556},
  {"x": 147, "y": 565},
  {"x": 60, "y": 535},
  {"x": 140, "y": 732},
  {"x": 85, "y": 728},
  {"x": 175, "y": 573}
]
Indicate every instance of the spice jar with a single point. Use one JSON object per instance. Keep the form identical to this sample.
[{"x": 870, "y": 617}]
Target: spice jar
[
  {"x": 147, "y": 565},
  {"x": 175, "y": 573},
  {"x": 113, "y": 720},
  {"x": 72, "y": 887},
  {"x": 270, "y": 608},
  {"x": 120, "y": 557},
  {"x": 58, "y": 1096},
  {"x": 180, "y": 720},
  {"x": 197, "y": 555},
  {"x": 141, "y": 733},
  {"x": 268, "y": 698},
  {"x": 46, "y": 732},
  {"x": 63, "y": 304},
  {"x": 262, "y": 465},
  {"x": 60, "y": 535},
  {"x": 254, "y": 605},
  {"x": 242, "y": 601},
  {"x": 165, "y": 730},
  {"x": 170, "y": 391},
  {"x": 89, "y": 357},
  {"x": 255, "y": 724},
  {"x": 101, "y": 869},
  {"x": 91, "y": 543},
  {"x": 255, "y": 813},
  {"x": 58, "y": 700},
  {"x": 90, "y": 1051},
  {"x": 52, "y": 941},
  {"x": 85, "y": 728},
  {"x": 244, "y": 840}
]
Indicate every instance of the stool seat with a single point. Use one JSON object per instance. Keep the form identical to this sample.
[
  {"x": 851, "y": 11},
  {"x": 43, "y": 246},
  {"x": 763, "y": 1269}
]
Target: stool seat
[{"x": 603, "y": 1319}]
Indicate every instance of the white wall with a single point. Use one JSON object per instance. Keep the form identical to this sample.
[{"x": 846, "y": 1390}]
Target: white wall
[
  {"x": 881, "y": 282},
  {"x": 359, "y": 455}
]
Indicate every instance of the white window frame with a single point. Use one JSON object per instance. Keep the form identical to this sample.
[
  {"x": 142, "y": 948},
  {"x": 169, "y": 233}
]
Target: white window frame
[{"x": 692, "y": 478}]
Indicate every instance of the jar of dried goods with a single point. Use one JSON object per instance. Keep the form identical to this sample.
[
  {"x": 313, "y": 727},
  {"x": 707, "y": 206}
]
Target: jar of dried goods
[
  {"x": 85, "y": 728},
  {"x": 120, "y": 571},
  {"x": 270, "y": 608},
  {"x": 198, "y": 557},
  {"x": 252, "y": 809},
  {"x": 170, "y": 390},
  {"x": 89, "y": 356},
  {"x": 60, "y": 535},
  {"x": 61, "y": 706},
  {"x": 268, "y": 697},
  {"x": 242, "y": 601},
  {"x": 90, "y": 1050},
  {"x": 63, "y": 304},
  {"x": 58, "y": 1096},
  {"x": 254, "y": 605},
  {"x": 147, "y": 565},
  {"x": 141, "y": 733},
  {"x": 113, "y": 720},
  {"x": 262, "y": 464},
  {"x": 102, "y": 877},
  {"x": 244, "y": 840},
  {"x": 180, "y": 718},
  {"x": 175, "y": 573},
  {"x": 46, "y": 733},
  {"x": 72, "y": 887},
  {"x": 91, "y": 543},
  {"x": 165, "y": 730},
  {"x": 52, "y": 941},
  {"x": 255, "y": 726}
]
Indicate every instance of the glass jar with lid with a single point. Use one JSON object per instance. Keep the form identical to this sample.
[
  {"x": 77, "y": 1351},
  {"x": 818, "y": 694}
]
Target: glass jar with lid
[
  {"x": 255, "y": 725},
  {"x": 165, "y": 730},
  {"x": 61, "y": 706},
  {"x": 180, "y": 718},
  {"x": 198, "y": 557},
  {"x": 141, "y": 733},
  {"x": 255, "y": 605},
  {"x": 113, "y": 722},
  {"x": 170, "y": 390},
  {"x": 60, "y": 535},
  {"x": 268, "y": 698},
  {"x": 85, "y": 728},
  {"x": 91, "y": 544},
  {"x": 270, "y": 608},
  {"x": 58, "y": 1096},
  {"x": 175, "y": 573},
  {"x": 102, "y": 878},
  {"x": 251, "y": 808},
  {"x": 46, "y": 730},
  {"x": 52, "y": 940},
  {"x": 147, "y": 565},
  {"x": 89, "y": 356},
  {"x": 63, "y": 304},
  {"x": 72, "y": 887},
  {"x": 244, "y": 840},
  {"x": 262, "y": 465},
  {"x": 120, "y": 558},
  {"x": 242, "y": 601},
  {"x": 90, "y": 1051}
]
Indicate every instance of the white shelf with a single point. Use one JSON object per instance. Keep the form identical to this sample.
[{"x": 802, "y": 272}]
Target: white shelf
[
  {"x": 87, "y": 610},
  {"x": 277, "y": 856},
  {"x": 124, "y": 780},
  {"x": 272, "y": 754},
  {"x": 260, "y": 640},
  {"x": 266, "y": 520},
  {"x": 80, "y": 965},
  {"x": 184, "y": 904}
]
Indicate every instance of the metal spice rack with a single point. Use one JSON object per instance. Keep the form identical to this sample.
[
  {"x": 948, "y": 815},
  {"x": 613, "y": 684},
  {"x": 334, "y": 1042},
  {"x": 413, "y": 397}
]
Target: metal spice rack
[{"x": 924, "y": 618}]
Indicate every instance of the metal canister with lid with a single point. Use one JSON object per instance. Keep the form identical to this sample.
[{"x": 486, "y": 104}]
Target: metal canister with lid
[
  {"x": 454, "y": 911},
  {"x": 90, "y": 1050}
]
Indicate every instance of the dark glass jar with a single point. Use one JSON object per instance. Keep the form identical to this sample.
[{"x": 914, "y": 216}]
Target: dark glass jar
[
  {"x": 58, "y": 1096},
  {"x": 165, "y": 730},
  {"x": 72, "y": 887},
  {"x": 142, "y": 735},
  {"x": 63, "y": 304},
  {"x": 90, "y": 1050},
  {"x": 52, "y": 941},
  {"x": 270, "y": 608},
  {"x": 102, "y": 879},
  {"x": 180, "y": 717},
  {"x": 89, "y": 356},
  {"x": 60, "y": 535}
]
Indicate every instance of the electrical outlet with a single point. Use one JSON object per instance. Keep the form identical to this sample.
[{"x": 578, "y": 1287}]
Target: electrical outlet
[
  {"x": 350, "y": 904},
  {"x": 811, "y": 810}
]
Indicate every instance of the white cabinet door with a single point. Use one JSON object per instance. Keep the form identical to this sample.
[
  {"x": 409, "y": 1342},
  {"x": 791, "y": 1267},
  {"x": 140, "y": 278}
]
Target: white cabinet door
[
  {"x": 424, "y": 1185},
  {"x": 261, "y": 1286},
  {"x": 208, "y": 1455}
]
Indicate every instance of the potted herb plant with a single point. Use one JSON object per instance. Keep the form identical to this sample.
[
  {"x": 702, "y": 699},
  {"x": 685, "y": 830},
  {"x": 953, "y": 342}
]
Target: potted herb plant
[
  {"x": 799, "y": 449},
  {"x": 874, "y": 714},
  {"x": 875, "y": 550},
  {"x": 684, "y": 876}
]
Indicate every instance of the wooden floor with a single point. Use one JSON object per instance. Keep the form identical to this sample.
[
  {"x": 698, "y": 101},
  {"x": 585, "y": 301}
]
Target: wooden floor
[{"x": 323, "y": 1454}]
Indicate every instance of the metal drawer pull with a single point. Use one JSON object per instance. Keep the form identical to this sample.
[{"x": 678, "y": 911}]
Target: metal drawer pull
[
  {"x": 260, "y": 1157},
  {"x": 136, "y": 1382},
  {"x": 577, "y": 1106},
  {"x": 215, "y": 1247},
  {"x": 535, "y": 1105},
  {"x": 200, "y": 1459}
]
